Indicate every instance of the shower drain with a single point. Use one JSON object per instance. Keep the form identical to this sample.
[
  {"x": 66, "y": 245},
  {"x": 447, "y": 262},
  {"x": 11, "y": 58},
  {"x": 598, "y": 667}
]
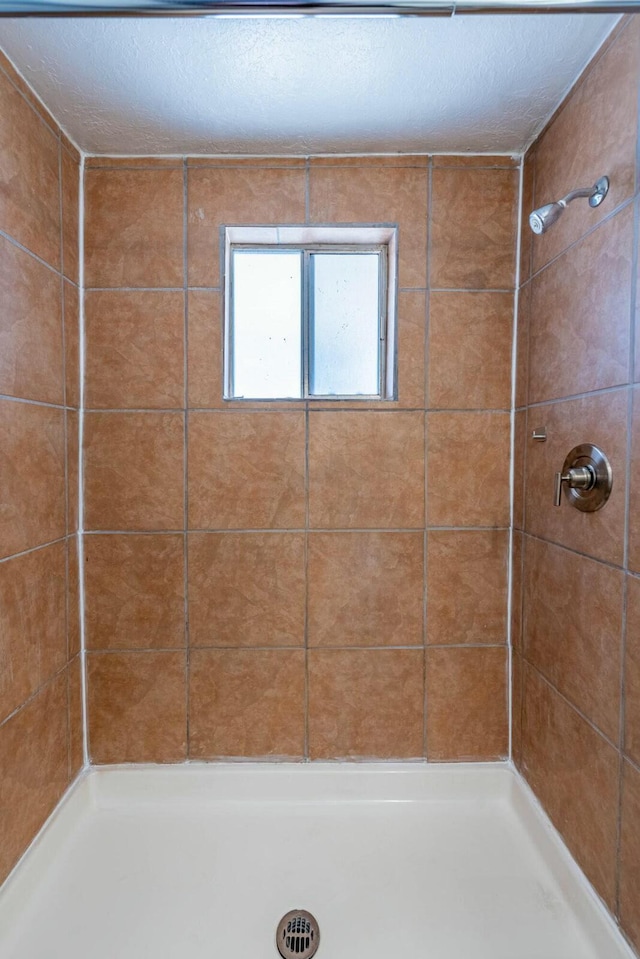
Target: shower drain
[{"x": 298, "y": 935}]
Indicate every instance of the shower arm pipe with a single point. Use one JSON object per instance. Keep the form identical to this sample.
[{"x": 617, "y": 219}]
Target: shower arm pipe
[
  {"x": 301, "y": 8},
  {"x": 575, "y": 194}
]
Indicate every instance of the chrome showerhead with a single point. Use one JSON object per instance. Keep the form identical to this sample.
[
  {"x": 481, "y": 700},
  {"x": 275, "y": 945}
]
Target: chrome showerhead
[{"x": 545, "y": 216}]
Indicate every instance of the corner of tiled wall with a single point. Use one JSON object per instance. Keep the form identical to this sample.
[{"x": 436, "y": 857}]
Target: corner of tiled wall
[
  {"x": 40, "y": 689},
  {"x": 576, "y": 677}
]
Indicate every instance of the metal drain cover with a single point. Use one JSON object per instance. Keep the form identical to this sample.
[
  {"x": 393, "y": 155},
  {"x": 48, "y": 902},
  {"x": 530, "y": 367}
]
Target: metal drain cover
[{"x": 298, "y": 935}]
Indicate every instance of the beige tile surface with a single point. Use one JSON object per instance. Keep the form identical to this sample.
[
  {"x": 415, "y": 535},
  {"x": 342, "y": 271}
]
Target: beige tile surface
[
  {"x": 466, "y": 693},
  {"x": 467, "y": 586},
  {"x": 32, "y": 458},
  {"x": 470, "y": 338},
  {"x": 246, "y": 470},
  {"x": 574, "y": 773},
  {"x": 365, "y": 703},
  {"x": 246, "y": 702},
  {"x": 365, "y": 589},
  {"x": 573, "y": 610},
  {"x": 134, "y": 478},
  {"x": 31, "y": 353},
  {"x": 127, "y": 694},
  {"x": 246, "y": 589},
  {"x": 133, "y": 228},
  {"x": 366, "y": 469},
  {"x": 134, "y": 591},
  {"x": 473, "y": 226},
  {"x": 467, "y": 469},
  {"x": 134, "y": 343},
  {"x": 33, "y": 639}
]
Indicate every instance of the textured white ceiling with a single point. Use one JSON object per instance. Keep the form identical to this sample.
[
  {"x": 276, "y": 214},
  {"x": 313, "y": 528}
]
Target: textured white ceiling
[{"x": 303, "y": 85}]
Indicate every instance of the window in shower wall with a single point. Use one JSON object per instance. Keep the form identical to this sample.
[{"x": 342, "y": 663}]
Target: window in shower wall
[{"x": 310, "y": 312}]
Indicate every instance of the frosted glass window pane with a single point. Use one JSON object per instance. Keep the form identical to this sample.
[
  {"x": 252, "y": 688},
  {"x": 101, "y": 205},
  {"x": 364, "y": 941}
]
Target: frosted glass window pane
[
  {"x": 267, "y": 327},
  {"x": 345, "y": 325}
]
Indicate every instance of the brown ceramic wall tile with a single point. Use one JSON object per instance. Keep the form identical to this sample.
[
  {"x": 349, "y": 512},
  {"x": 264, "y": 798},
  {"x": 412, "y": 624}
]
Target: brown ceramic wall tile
[
  {"x": 599, "y": 419},
  {"x": 134, "y": 350},
  {"x": 580, "y": 322},
  {"x": 205, "y": 349},
  {"x": 594, "y": 134},
  {"x": 74, "y": 681},
  {"x": 365, "y": 589},
  {"x": 574, "y": 773},
  {"x": 467, "y": 586},
  {"x": 235, "y": 196},
  {"x": 630, "y": 855},
  {"x": 133, "y": 163},
  {"x": 230, "y": 162},
  {"x": 468, "y": 469},
  {"x": 632, "y": 671},
  {"x": 481, "y": 160},
  {"x": 33, "y": 639},
  {"x": 411, "y": 349},
  {"x": 133, "y": 228},
  {"x": 419, "y": 160},
  {"x": 29, "y": 95},
  {"x": 134, "y": 471},
  {"x": 365, "y": 703},
  {"x": 636, "y": 371},
  {"x": 467, "y": 704},
  {"x": 526, "y": 233},
  {"x": 34, "y": 763},
  {"x": 517, "y": 668},
  {"x": 573, "y": 629},
  {"x": 73, "y": 491},
  {"x": 127, "y": 693},
  {"x": 522, "y": 432},
  {"x": 246, "y": 589},
  {"x": 134, "y": 591},
  {"x": 32, "y": 469},
  {"x": 71, "y": 344},
  {"x": 634, "y": 491},
  {"x": 246, "y": 470},
  {"x": 377, "y": 195},
  {"x": 366, "y": 470},
  {"x": 70, "y": 216},
  {"x": 73, "y": 597},
  {"x": 473, "y": 229},
  {"x": 522, "y": 346},
  {"x": 29, "y": 193},
  {"x": 30, "y": 327},
  {"x": 517, "y": 561},
  {"x": 470, "y": 338},
  {"x": 246, "y": 702}
]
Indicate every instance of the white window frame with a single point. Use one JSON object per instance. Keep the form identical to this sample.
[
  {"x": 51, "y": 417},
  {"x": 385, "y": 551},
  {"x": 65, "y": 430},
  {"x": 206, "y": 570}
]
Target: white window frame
[{"x": 380, "y": 239}]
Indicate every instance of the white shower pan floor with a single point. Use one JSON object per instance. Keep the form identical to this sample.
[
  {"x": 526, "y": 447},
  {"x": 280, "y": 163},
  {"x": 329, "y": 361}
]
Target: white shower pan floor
[{"x": 201, "y": 862}]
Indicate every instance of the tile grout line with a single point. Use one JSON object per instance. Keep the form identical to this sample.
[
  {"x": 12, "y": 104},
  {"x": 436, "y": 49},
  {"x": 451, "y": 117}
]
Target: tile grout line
[
  {"x": 307, "y": 424},
  {"x": 25, "y": 249},
  {"x": 425, "y": 428},
  {"x": 512, "y": 440},
  {"x": 63, "y": 316},
  {"x": 325, "y": 648},
  {"x": 81, "y": 504},
  {"x": 626, "y": 530},
  {"x": 185, "y": 457}
]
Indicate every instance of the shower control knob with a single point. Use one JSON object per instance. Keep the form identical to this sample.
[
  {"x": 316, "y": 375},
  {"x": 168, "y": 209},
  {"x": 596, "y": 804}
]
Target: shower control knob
[
  {"x": 579, "y": 477},
  {"x": 587, "y": 477}
]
